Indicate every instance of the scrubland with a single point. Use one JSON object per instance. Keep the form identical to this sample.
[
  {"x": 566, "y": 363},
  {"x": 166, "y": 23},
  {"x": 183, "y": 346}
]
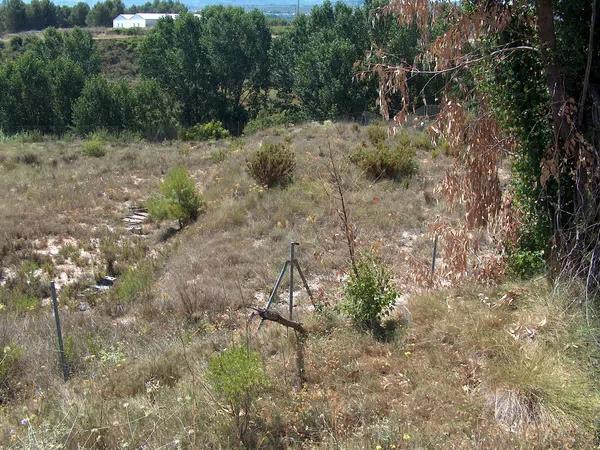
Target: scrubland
[{"x": 474, "y": 365}]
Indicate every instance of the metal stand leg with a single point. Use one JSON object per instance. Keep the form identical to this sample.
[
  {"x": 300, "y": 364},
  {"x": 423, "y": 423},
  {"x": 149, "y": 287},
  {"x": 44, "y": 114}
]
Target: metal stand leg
[
  {"x": 304, "y": 282},
  {"x": 272, "y": 296}
]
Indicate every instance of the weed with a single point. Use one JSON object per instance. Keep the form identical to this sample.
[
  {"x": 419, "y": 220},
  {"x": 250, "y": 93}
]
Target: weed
[{"x": 10, "y": 362}]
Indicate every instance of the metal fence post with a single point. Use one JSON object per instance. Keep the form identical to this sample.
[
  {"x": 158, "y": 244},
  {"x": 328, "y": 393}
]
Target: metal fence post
[{"x": 61, "y": 348}]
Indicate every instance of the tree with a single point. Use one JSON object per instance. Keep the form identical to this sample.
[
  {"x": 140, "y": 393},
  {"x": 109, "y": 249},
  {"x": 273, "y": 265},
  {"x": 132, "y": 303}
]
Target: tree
[
  {"x": 324, "y": 79},
  {"x": 237, "y": 45},
  {"x": 15, "y": 15},
  {"x": 103, "y": 13},
  {"x": 78, "y": 14},
  {"x": 172, "y": 54}
]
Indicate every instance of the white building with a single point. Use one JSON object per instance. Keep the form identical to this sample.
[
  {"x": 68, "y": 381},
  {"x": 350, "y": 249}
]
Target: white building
[{"x": 139, "y": 20}]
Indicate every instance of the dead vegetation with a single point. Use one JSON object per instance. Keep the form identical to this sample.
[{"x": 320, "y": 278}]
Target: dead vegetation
[{"x": 488, "y": 367}]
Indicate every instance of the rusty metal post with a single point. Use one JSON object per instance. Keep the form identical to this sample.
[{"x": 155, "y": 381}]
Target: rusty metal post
[{"x": 434, "y": 254}]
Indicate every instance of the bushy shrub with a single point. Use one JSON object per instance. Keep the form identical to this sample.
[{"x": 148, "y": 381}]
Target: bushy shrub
[
  {"x": 376, "y": 134},
  {"x": 383, "y": 161},
  {"x": 369, "y": 294},
  {"x": 237, "y": 376},
  {"x": 205, "y": 131},
  {"x": 94, "y": 147},
  {"x": 272, "y": 164},
  {"x": 526, "y": 263},
  {"x": 10, "y": 362},
  {"x": 266, "y": 119},
  {"x": 178, "y": 198}
]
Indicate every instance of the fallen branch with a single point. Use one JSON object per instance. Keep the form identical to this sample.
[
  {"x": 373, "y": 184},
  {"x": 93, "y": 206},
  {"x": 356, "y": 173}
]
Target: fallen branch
[{"x": 301, "y": 334}]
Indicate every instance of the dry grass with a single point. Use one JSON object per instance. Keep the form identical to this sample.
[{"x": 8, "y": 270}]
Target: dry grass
[{"x": 503, "y": 367}]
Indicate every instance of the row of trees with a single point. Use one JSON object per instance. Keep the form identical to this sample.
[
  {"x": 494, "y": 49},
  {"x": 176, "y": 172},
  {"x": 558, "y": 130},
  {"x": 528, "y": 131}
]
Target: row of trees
[
  {"x": 16, "y": 15},
  {"x": 222, "y": 66}
]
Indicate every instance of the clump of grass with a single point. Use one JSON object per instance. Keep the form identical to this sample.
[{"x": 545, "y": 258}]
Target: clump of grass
[
  {"x": 10, "y": 367},
  {"x": 383, "y": 161},
  {"x": 94, "y": 147},
  {"x": 272, "y": 164},
  {"x": 135, "y": 284},
  {"x": 28, "y": 158}
]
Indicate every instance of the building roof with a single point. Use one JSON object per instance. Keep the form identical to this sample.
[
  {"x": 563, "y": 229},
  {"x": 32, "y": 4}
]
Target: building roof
[
  {"x": 155, "y": 16},
  {"x": 124, "y": 16}
]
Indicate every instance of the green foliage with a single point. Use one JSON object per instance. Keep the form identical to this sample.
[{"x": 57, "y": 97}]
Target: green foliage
[
  {"x": 237, "y": 376},
  {"x": 377, "y": 134},
  {"x": 383, "y": 161},
  {"x": 203, "y": 132},
  {"x": 178, "y": 198},
  {"x": 10, "y": 361},
  {"x": 272, "y": 164},
  {"x": 135, "y": 284},
  {"x": 94, "y": 147},
  {"x": 24, "y": 303},
  {"x": 369, "y": 294},
  {"x": 526, "y": 263},
  {"x": 266, "y": 119}
]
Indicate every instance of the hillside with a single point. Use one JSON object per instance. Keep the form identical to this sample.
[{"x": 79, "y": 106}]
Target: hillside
[{"x": 467, "y": 366}]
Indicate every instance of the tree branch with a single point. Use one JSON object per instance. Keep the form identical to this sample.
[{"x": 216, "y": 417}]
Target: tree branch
[{"x": 588, "y": 67}]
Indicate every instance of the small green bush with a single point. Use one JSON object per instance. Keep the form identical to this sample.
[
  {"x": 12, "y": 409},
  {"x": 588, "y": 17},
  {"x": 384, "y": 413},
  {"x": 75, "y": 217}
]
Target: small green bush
[
  {"x": 94, "y": 147},
  {"x": 376, "y": 134},
  {"x": 135, "y": 284},
  {"x": 369, "y": 294},
  {"x": 204, "y": 132},
  {"x": 266, "y": 119},
  {"x": 178, "y": 198},
  {"x": 10, "y": 369},
  {"x": 526, "y": 264},
  {"x": 383, "y": 161},
  {"x": 237, "y": 376},
  {"x": 272, "y": 164}
]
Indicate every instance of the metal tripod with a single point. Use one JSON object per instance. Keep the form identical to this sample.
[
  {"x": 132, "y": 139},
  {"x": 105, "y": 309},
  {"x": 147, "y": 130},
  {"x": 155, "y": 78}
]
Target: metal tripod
[{"x": 290, "y": 263}]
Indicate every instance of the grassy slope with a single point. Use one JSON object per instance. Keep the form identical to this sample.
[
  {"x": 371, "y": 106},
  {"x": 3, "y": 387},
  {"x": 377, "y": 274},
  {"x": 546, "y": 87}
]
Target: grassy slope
[{"x": 468, "y": 366}]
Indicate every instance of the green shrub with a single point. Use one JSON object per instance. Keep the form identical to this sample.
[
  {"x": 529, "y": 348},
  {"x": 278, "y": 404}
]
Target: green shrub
[
  {"x": 526, "y": 263},
  {"x": 376, "y": 134},
  {"x": 204, "y": 132},
  {"x": 369, "y": 294},
  {"x": 178, "y": 198},
  {"x": 272, "y": 164},
  {"x": 237, "y": 376},
  {"x": 10, "y": 369},
  {"x": 94, "y": 147},
  {"x": 383, "y": 161},
  {"x": 135, "y": 284},
  {"x": 266, "y": 119}
]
